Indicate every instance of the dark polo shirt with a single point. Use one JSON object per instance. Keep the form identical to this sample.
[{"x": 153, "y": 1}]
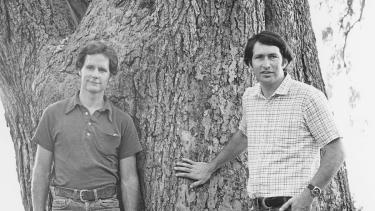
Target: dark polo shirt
[{"x": 87, "y": 148}]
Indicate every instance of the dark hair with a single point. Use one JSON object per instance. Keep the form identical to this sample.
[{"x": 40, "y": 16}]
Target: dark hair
[
  {"x": 97, "y": 47},
  {"x": 267, "y": 38}
]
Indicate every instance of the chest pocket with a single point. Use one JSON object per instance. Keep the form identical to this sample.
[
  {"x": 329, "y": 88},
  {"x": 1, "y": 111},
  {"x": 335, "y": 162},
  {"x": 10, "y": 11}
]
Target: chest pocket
[{"x": 107, "y": 140}]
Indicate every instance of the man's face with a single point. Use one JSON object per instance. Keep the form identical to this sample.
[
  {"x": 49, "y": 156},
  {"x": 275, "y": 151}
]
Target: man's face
[
  {"x": 95, "y": 73},
  {"x": 268, "y": 64}
]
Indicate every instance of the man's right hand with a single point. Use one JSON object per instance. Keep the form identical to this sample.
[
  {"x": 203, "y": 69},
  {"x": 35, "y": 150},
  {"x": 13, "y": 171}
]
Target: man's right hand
[{"x": 199, "y": 171}]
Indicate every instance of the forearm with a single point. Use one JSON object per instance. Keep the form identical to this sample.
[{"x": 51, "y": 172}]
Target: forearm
[
  {"x": 236, "y": 145},
  {"x": 130, "y": 193},
  {"x": 39, "y": 190},
  {"x": 332, "y": 158}
]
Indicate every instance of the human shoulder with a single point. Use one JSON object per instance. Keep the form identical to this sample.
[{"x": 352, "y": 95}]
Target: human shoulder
[
  {"x": 306, "y": 90},
  {"x": 53, "y": 113},
  {"x": 120, "y": 115},
  {"x": 251, "y": 91},
  {"x": 309, "y": 95},
  {"x": 57, "y": 107}
]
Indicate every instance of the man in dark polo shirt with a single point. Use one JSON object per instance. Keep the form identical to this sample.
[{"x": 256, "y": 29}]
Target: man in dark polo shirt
[{"x": 91, "y": 142}]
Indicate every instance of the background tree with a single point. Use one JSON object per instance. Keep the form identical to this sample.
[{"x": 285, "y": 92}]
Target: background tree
[
  {"x": 342, "y": 21},
  {"x": 181, "y": 78}
]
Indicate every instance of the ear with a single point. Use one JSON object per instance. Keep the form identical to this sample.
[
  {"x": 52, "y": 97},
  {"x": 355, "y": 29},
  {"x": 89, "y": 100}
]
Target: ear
[
  {"x": 284, "y": 63},
  {"x": 250, "y": 64},
  {"x": 79, "y": 70}
]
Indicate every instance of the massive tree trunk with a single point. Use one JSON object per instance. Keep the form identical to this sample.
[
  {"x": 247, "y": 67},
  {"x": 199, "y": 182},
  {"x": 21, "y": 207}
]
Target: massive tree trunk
[
  {"x": 28, "y": 32},
  {"x": 181, "y": 78}
]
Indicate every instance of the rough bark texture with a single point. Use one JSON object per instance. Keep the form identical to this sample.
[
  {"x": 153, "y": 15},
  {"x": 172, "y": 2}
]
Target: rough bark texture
[
  {"x": 25, "y": 28},
  {"x": 181, "y": 78}
]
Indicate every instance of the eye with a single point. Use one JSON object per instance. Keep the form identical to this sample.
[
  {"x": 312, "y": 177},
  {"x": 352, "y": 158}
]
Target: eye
[
  {"x": 90, "y": 67},
  {"x": 273, "y": 56},
  {"x": 103, "y": 70}
]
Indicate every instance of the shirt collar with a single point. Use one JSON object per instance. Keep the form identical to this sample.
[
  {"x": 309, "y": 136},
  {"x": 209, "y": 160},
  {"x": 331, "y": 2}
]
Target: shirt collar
[
  {"x": 74, "y": 101},
  {"x": 281, "y": 90},
  {"x": 284, "y": 86},
  {"x": 107, "y": 107}
]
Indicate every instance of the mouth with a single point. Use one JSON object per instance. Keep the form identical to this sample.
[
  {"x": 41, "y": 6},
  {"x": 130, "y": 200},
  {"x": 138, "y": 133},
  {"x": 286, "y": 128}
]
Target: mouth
[
  {"x": 266, "y": 72},
  {"x": 93, "y": 82}
]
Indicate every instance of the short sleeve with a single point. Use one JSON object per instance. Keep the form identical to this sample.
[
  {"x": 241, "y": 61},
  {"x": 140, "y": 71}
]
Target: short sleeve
[
  {"x": 243, "y": 126},
  {"x": 319, "y": 119},
  {"x": 130, "y": 144},
  {"x": 243, "y": 123},
  {"x": 43, "y": 133}
]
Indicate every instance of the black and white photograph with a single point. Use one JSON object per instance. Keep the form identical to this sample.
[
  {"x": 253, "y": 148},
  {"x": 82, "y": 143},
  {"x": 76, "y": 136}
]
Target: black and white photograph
[{"x": 187, "y": 105}]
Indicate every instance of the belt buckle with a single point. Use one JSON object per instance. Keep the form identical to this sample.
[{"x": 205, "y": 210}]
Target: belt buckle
[
  {"x": 81, "y": 195},
  {"x": 264, "y": 203}
]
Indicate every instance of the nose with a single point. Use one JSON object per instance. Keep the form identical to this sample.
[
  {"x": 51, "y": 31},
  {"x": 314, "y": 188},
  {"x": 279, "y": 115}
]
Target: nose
[
  {"x": 95, "y": 73},
  {"x": 266, "y": 63}
]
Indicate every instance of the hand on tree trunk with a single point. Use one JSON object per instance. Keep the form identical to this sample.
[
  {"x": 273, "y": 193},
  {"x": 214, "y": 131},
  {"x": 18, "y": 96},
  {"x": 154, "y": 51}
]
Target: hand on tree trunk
[{"x": 199, "y": 171}]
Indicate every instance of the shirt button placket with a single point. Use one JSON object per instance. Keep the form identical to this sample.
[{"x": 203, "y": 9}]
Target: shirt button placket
[
  {"x": 88, "y": 128},
  {"x": 268, "y": 110},
  {"x": 88, "y": 134},
  {"x": 267, "y": 118}
]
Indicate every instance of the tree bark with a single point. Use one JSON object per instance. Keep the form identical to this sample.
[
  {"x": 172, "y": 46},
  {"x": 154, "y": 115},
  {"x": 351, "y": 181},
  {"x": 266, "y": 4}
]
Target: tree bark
[
  {"x": 181, "y": 78},
  {"x": 26, "y": 28}
]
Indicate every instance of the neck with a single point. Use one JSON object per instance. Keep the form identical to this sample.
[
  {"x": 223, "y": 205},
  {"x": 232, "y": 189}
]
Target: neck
[
  {"x": 269, "y": 89},
  {"x": 91, "y": 101}
]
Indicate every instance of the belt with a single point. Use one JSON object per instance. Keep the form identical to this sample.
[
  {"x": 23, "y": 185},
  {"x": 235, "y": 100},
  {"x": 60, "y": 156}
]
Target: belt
[
  {"x": 86, "y": 195},
  {"x": 271, "y": 202}
]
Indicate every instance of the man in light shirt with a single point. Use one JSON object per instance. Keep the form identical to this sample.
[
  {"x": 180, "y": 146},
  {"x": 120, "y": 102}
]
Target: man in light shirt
[{"x": 284, "y": 125}]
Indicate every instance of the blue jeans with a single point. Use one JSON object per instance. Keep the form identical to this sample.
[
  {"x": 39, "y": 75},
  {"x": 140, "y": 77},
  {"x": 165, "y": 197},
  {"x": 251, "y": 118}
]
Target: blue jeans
[{"x": 67, "y": 204}]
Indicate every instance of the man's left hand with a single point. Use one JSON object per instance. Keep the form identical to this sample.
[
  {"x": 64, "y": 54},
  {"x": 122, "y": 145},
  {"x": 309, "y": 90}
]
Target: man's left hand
[{"x": 301, "y": 202}]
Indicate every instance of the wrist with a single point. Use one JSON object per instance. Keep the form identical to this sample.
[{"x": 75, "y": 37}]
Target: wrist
[
  {"x": 307, "y": 193},
  {"x": 212, "y": 166},
  {"x": 315, "y": 191}
]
